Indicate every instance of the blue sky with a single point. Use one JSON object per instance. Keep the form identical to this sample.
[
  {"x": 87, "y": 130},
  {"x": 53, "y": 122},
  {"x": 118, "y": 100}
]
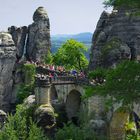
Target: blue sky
[{"x": 66, "y": 16}]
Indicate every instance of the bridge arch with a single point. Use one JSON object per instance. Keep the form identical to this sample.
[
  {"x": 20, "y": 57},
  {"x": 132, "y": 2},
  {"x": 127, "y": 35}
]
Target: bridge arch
[{"x": 73, "y": 103}]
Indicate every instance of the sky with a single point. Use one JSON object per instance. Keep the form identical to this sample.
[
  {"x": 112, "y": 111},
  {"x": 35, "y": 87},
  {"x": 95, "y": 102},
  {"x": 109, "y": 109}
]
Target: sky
[{"x": 66, "y": 16}]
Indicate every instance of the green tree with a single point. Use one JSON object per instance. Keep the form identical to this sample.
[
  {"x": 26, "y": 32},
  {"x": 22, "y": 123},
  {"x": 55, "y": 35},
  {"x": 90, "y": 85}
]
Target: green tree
[
  {"x": 126, "y": 3},
  {"x": 48, "y": 58},
  {"x": 72, "y": 132},
  {"x": 98, "y": 75},
  {"x": 71, "y": 55},
  {"x": 21, "y": 127},
  {"x": 122, "y": 82}
]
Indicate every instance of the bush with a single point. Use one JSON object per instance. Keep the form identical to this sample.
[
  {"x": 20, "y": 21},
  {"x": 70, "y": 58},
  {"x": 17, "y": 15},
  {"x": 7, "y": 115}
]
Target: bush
[
  {"x": 23, "y": 92},
  {"x": 26, "y": 89},
  {"x": 132, "y": 137},
  {"x": 98, "y": 75},
  {"x": 21, "y": 127},
  {"x": 48, "y": 58},
  {"x": 72, "y": 132},
  {"x": 122, "y": 83},
  {"x": 126, "y": 3}
]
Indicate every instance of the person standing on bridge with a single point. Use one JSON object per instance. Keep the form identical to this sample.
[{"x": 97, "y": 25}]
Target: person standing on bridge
[
  {"x": 55, "y": 76},
  {"x": 82, "y": 75},
  {"x": 50, "y": 77}
]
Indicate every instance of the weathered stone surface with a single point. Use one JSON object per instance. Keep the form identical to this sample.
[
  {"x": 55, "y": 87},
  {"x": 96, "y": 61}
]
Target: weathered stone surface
[
  {"x": 19, "y": 37},
  {"x": 38, "y": 42},
  {"x": 30, "y": 101},
  {"x": 98, "y": 126},
  {"x": 136, "y": 108},
  {"x": 73, "y": 103},
  {"x": 7, "y": 62},
  {"x": 3, "y": 117},
  {"x": 120, "y": 25},
  {"x": 45, "y": 116},
  {"x": 117, "y": 125},
  {"x": 96, "y": 107},
  {"x": 6, "y": 40}
]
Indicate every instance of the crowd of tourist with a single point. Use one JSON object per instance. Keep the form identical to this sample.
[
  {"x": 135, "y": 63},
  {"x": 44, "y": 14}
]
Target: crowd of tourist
[{"x": 53, "y": 72}]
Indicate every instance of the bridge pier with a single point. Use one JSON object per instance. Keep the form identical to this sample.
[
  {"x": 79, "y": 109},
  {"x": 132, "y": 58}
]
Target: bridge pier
[
  {"x": 42, "y": 95},
  {"x": 44, "y": 113}
]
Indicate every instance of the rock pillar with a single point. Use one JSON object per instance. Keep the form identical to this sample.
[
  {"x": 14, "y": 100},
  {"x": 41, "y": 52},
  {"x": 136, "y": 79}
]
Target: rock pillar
[
  {"x": 38, "y": 42},
  {"x": 44, "y": 113},
  {"x": 7, "y": 62}
]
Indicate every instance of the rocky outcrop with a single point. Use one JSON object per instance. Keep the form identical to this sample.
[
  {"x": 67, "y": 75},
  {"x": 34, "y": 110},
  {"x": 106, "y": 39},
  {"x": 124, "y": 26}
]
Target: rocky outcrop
[
  {"x": 32, "y": 41},
  {"x": 7, "y": 62},
  {"x": 117, "y": 37},
  {"x": 19, "y": 37},
  {"x": 38, "y": 43},
  {"x": 45, "y": 116},
  {"x": 3, "y": 117}
]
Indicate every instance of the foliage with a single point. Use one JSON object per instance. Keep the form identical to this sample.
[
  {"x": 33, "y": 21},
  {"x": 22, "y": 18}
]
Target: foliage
[
  {"x": 72, "y": 132},
  {"x": 88, "y": 92},
  {"x": 29, "y": 71},
  {"x": 26, "y": 89},
  {"x": 122, "y": 82},
  {"x": 132, "y": 137},
  {"x": 36, "y": 133},
  {"x": 129, "y": 126},
  {"x": 71, "y": 55},
  {"x": 23, "y": 92},
  {"x": 98, "y": 75},
  {"x": 48, "y": 58},
  {"x": 21, "y": 127},
  {"x": 125, "y": 3},
  {"x": 131, "y": 130}
]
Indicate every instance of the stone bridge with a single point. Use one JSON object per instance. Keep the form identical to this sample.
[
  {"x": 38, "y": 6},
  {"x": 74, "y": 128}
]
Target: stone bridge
[{"x": 66, "y": 90}]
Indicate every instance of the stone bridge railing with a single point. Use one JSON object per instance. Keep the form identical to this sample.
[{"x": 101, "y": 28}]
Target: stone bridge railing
[
  {"x": 44, "y": 80},
  {"x": 46, "y": 71}
]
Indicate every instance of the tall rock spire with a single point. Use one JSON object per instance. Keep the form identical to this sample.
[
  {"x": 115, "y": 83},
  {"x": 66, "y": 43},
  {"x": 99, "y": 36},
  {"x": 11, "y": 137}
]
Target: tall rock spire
[{"x": 38, "y": 42}]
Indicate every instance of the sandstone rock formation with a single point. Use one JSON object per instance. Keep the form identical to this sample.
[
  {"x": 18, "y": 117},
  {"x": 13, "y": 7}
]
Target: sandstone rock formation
[
  {"x": 45, "y": 118},
  {"x": 33, "y": 40},
  {"x": 7, "y": 62},
  {"x": 19, "y": 37},
  {"x": 38, "y": 43},
  {"x": 117, "y": 37},
  {"x": 3, "y": 117}
]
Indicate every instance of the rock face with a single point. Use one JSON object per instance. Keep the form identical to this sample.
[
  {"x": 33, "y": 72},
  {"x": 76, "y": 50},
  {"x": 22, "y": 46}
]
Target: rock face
[
  {"x": 19, "y": 37},
  {"x": 32, "y": 42},
  {"x": 45, "y": 118},
  {"x": 3, "y": 117},
  {"x": 117, "y": 37},
  {"x": 7, "y": 62},
  {"x": 38, "y": 43}
]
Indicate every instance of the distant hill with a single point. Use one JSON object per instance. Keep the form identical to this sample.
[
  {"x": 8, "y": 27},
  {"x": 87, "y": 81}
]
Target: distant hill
[
  {"x": 58, "y": 40},
  {"x": 81, "y": 37}
]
